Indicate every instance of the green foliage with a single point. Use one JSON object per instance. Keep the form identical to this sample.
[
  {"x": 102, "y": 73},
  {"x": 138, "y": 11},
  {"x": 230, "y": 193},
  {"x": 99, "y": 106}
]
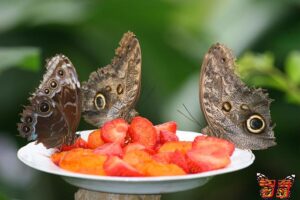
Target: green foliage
[
  {"x": 292, "y": 67},
  {"x": 259, "y": 70},
  {"x": 24, "y": 57},
  {"x": 2, "y": 197}
]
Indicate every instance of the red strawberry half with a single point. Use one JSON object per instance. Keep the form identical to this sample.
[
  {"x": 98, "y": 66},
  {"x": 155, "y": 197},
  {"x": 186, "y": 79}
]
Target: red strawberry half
[
  {"x": 142, "y": 131},
  {"x": 201, "y": 162},
  {"x": 114, "y": 166},
  {"x": 114, "y": 131},
  {"x": 79, "y": 143},
  {"x": 176, "y": 158},
  {"x": 110, "y": 149},
  {"x": 207, "y": 143},
  {"x": 167, "y": 136},
  {"x": 168, "y": 126}
]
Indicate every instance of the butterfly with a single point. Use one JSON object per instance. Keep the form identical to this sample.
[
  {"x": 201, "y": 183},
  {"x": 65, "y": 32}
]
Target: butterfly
[
  {"x": 112, "y": 91},
  {"x": 233, "y": 110},
  {"x": 269, "y": 188},
  {"x": 55, "y": 107}
]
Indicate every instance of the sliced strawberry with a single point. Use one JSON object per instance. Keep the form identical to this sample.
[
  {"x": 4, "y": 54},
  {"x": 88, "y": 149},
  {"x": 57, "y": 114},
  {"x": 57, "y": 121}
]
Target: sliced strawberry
[
  {"x": 79, "y": 143},
  {"x": 137, "y": 146},
  {"x": 110, "y": 149},
  {"x": 114, "y": 166},
  {"x": 176, "y": 158},
  {"x": 114, "y": 131},
  {"x": 201, "y": 162},
  {"x": 133, "y": 146},
  {"x": 142, "y": 131},
  {"x": 167, "y": 136},
  {"x": 212, "y": 144},
  {"x": 167, "y": 126},
  {"x": 94, "y": 139}
]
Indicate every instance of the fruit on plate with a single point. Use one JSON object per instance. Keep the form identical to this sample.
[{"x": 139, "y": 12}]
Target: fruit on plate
[
  {"x": 142, "y": 149},
  {"x": 95, "y": 139},
  {"x": 79, "y": 143},
  {"x": 114, "y": 131},
  {"x": 182, "y": 146},
  {"x": 204, "y": 142},
  {"x": 115, "y": 166},
  {"x": 83, "y": 161},
  {"x": 170, "y": 126},
  {"x": 142, "y": 131}
]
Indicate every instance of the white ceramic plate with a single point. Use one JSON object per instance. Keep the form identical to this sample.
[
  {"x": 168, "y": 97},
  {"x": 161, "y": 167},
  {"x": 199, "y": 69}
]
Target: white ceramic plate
[{"x": 38, "y": 157}]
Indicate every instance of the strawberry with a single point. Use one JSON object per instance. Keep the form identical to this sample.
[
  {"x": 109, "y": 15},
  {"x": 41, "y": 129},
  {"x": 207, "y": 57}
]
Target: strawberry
[
  {"x": 170, "y": 126},
  {"x": 110, "y": 149},
  {"x": 167, "y": 136},
  {"x": 114, "y": 131},
  {"x": 133, "y": 146},
  {"x": 176, "y": 158},
  {"x": 114, "y": 166},
  {"x": 200, "y": 162},
  {"x": 137, "y": 146},
  {"x": 142, "y": 131},
  {"x": 94, "y": 139},
  {"x": 207, "y": 143},
  {"x": 179, "y": 159},
  {"x": 79, "y": 143}
]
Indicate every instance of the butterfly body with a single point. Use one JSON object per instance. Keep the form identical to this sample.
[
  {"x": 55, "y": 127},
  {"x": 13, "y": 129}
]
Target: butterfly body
[
  {"x": 112, "y": 91},
  {"x": 232, "y": 110},
  {"x": 54, "y": 111}
]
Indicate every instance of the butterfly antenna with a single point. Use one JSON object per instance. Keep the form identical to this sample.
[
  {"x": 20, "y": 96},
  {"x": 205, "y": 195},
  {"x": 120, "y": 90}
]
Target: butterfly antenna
[{"x": 190, "y": 116}]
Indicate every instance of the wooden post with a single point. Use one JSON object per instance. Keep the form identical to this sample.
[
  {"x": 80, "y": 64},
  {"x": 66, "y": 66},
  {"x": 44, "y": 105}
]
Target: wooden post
[{"x": 83, "y": 194}]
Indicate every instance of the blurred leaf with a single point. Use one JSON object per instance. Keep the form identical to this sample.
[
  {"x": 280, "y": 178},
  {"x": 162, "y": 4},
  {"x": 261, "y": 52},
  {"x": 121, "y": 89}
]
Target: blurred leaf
[
  {"x": 255, "y": 62},
  {"x": 35, "y": 12},
  {"x": 293, "y": 97},
  {"x": 259, "y": 70},
  {"x": 66, "y": 12},
  {"x": 2, "y": 196},
  {"x": 24, "y": 57},
  {"x": 272, "y": 81},
  {"x": 292, "y": 66}
]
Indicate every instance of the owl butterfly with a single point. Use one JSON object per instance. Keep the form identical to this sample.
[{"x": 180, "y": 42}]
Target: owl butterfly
[
  {"x": 112, "y": 91},
  {"x": 269, "y": 187},
  {"x": 232, "y": 110},
  {"x": 54, "y": 111}
]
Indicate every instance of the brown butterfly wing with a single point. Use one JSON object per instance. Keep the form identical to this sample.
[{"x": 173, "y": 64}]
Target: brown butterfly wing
[
  {"x": 54, "y": 112},
  {"x": 112, "y": 91},
  {"x": 233, "y": 110}
]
